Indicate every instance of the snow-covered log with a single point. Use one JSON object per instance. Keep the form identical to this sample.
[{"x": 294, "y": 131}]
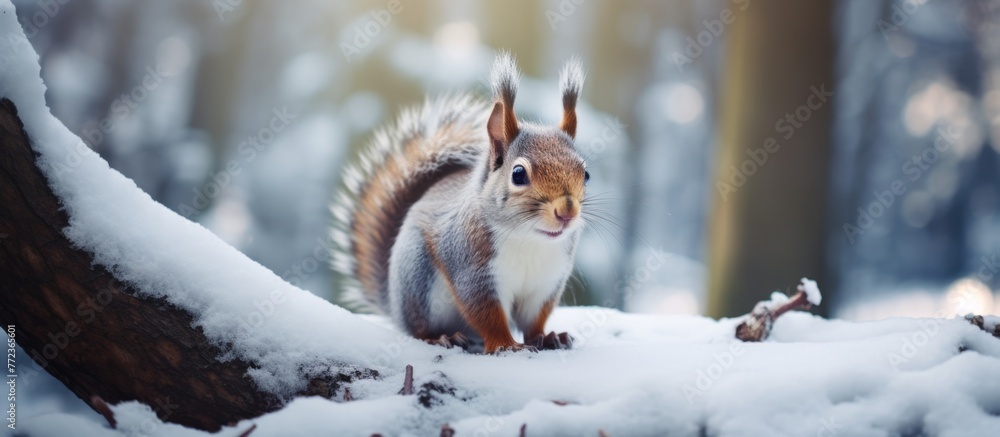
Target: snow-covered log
[
  {"x": 121, "y": 299},
  {"x": 100, "y": 336}
]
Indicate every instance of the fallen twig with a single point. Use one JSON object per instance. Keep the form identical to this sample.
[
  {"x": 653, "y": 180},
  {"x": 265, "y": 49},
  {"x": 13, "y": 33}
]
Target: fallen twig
[
  {"x": 980, "y": 321},
  {"x": 447, "y": 431},
  {"x": 757, "y": 325},
  {"x": 408, "y": 381},
  {"x": 103, "y": 408},
  {"x": 248, "y": 431}
]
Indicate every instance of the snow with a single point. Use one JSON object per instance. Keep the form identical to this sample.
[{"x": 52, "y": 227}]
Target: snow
[
  {"x": 812, "y": 291},
  {"x": 628, "y": 374},
  {"x": 653, "y": 375}
]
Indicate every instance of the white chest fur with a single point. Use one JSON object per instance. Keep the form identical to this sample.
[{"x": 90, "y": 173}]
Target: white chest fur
[{"x": 528, "y": 271}]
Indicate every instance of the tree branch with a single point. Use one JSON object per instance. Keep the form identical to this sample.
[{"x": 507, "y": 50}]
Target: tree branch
[{"x": 90, "y": 331}]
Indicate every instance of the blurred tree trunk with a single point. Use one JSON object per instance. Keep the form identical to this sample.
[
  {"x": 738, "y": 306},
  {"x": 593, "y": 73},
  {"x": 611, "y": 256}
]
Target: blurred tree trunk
[
  {"x": 619, "y": 71},
  {"x": 767, "y": 226}
]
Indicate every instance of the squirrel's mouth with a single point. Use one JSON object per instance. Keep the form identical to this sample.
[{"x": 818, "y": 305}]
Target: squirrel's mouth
[{"x": 550, "y": 234}]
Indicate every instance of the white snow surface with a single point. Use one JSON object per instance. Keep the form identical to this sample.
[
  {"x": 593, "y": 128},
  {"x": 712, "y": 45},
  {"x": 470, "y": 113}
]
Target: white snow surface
[{"x": 627, "y": 374}]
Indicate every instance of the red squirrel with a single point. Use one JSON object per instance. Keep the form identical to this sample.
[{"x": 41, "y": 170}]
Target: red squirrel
[{"x": 462, "y": 220}]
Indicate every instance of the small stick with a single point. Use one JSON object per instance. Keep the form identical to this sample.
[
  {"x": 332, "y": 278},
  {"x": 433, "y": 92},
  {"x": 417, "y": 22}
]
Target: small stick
[
  {"x": 447, "y": 431},
  {"x": 757, "y": 325},
  {"x": 797, "y": 301},
  {"x": 247, "y": 432},
  {"x": 408, "y": 381},
  {"x": 980, "y": 322},
  {"x": 103, "y": 408}
]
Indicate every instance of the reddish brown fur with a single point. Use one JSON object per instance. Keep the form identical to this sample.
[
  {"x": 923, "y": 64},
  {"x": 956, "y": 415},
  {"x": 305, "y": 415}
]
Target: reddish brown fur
[
  {"x": 489, "y": 319},
  {"x": 486, "y": 316},
  {"x": 538, "y": 327},
  {"x": 382, "y": 206},
  {"x": 568, "y": 124}
]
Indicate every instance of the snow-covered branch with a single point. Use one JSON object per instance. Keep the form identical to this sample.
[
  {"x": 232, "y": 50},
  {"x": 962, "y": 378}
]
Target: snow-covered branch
[
  {"x": 757, "y": 325},
  {"x": 101, "y": 337}
]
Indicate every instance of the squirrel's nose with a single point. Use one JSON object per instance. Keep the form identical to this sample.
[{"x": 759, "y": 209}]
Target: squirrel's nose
[
  {"x": 567, "y": 212},
  {"x": 564, "y": 218}
]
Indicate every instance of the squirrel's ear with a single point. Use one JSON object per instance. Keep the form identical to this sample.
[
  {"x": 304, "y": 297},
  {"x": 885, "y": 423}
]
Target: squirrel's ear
[
  {"x": 570, "y": 81},
  {"x": 505, "y": 76},
  {"x": 498, "y": 136}
]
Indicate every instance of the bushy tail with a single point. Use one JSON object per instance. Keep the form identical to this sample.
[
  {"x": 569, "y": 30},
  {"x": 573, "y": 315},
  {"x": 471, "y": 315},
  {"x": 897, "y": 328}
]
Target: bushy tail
[{"x": 402, "y": 162}]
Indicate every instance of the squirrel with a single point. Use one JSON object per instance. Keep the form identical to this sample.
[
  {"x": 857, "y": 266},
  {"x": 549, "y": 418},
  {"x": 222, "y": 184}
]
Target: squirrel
[{"x": 462, "y": 220}]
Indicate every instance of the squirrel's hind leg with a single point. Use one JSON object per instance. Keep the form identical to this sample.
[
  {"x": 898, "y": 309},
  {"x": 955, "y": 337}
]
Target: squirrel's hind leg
[{"x": 411, "y": 283}]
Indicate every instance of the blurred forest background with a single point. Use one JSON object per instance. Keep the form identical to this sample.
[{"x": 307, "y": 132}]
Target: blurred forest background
[
  {"x": 727, "y": 167},
  {"x": 739, "y": 144}
]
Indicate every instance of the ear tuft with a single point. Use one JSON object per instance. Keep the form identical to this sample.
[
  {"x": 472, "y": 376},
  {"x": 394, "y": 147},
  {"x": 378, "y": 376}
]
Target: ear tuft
[
  {"x": 504, "y": 77},
  {"x": 571, "y": 82}
]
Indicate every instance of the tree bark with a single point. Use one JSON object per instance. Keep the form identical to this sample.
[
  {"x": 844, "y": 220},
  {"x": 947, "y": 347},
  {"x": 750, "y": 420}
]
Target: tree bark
[
  {"x": 771, "y": 230},
  {"x": 90, "y": 331}
]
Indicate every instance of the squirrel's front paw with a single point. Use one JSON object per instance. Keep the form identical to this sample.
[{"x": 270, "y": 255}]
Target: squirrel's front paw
[
  {"x": 513, "y": 347},
  {"x": 552, "y": 341}
]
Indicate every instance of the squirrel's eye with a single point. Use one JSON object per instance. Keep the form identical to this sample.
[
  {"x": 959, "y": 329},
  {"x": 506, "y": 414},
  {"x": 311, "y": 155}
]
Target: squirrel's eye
[
  {"x": 519, "y": 176},
  {"x": 586, "y": 177}
]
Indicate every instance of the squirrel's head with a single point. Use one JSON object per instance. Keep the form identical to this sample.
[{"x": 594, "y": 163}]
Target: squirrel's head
[{"x": 535, "y": 178}]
